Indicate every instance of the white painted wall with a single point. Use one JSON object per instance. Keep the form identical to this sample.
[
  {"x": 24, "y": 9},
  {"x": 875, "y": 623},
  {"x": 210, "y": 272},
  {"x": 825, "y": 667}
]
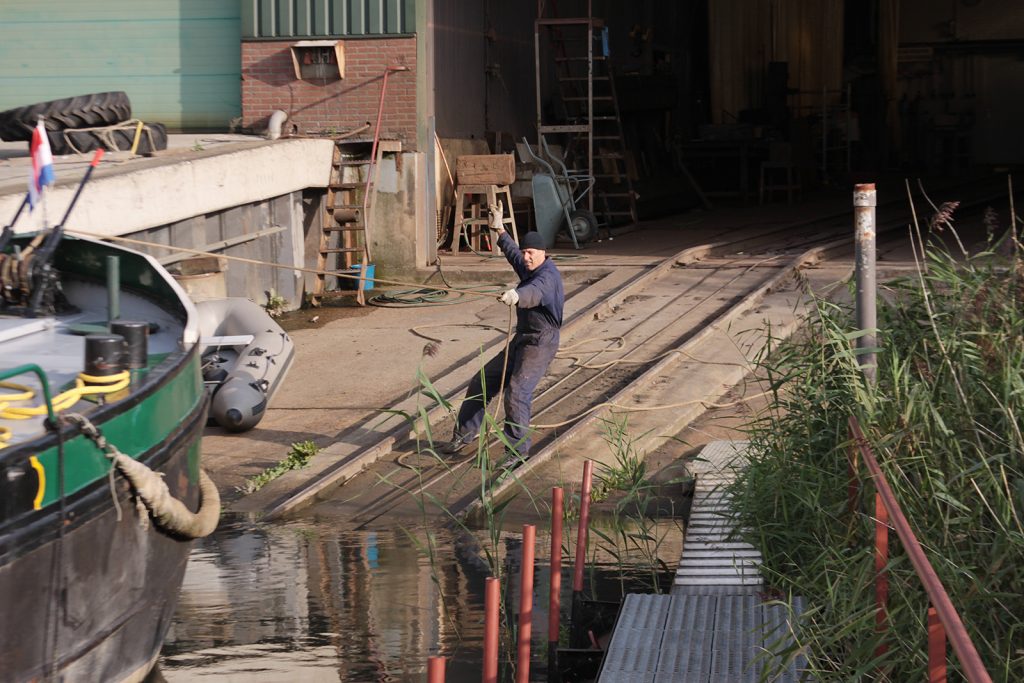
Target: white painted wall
[{"x": 122, "y": 199}]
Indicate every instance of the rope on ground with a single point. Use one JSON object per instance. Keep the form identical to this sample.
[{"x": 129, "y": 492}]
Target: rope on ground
[
  {"x": 423, "y": 296},
  {"x": 620, "y": 342},
  {"x": 417, "y": 330},
  {"x": 640, "y": 409}
]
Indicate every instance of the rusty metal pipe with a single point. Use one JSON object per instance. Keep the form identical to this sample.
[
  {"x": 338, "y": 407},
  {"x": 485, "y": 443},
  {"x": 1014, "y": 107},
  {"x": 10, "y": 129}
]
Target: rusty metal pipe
[
  {"x": 936, "y": 648},
  {"x": 864, "y": 202},
  {"x": 525, "y": 604},
  {"x": 370, "y": 169},
  {"x": 970, "y": 660},
  {"x": 554, "y": 593},
  {"x": 435, "y": 670},
  {"x": 881, "y": 576},
  {"x": 492, "y": 588},
  {"x": 581, "y": 533},
  {"x": 346, "y": 215}
]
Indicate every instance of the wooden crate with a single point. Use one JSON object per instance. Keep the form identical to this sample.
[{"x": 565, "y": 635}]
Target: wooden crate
[{"x": 485, "y": 169}]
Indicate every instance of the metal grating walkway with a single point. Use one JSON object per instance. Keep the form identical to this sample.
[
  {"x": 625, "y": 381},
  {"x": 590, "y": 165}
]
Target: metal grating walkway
[
  {"x": 705, "y": 637},
  {"x": 716, "y": 622},
  {"x": 710, "y": 557}
]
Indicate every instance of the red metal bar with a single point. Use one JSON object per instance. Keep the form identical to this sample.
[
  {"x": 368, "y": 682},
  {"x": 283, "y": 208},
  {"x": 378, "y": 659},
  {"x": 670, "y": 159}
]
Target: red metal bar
[
  {"x": 581, "y": 534},
  {"x": 435, "y": 670},
  {"x": 525, "y": 604},
  {"x": 881, "y": 576},
  {"x": 973, "y": 668},
  {"x": 370, "y": 170},
  {"x": 853, "y": 482},
  {"x": 936, "y": 648},
  {"x": 555, "y": 591},
  {"x": 492, "y": 589}
]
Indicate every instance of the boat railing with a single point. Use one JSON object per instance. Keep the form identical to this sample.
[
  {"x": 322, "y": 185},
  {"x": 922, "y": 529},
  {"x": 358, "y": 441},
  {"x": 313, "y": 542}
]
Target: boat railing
[
  {"x": 43, "y": 382},
  {"x": 943, "y": 617}
]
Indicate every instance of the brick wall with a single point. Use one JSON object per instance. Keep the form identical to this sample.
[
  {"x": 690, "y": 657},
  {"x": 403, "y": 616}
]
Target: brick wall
[{"x": 269, "y": 83}]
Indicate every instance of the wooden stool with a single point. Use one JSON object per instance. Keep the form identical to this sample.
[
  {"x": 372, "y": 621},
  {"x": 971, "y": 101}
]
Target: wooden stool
[
  {"x": 779, "y": 173},
  {"x": 481, "y": 196}
]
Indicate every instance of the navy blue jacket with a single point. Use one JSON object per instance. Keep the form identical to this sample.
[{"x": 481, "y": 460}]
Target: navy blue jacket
[{"x": 541, "y": 295}]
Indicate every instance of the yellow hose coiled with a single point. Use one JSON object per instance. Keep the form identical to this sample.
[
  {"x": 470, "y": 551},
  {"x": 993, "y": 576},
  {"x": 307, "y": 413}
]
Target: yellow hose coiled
[{"x": 85, "y": 385}]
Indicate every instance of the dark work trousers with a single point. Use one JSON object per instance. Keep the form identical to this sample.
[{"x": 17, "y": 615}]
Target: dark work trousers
[{"x": 529, "y": 358}]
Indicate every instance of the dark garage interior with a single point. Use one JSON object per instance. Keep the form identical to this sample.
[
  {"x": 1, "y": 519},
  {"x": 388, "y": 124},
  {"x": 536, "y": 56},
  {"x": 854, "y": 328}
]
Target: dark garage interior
[{"x": 725, "y": 100}]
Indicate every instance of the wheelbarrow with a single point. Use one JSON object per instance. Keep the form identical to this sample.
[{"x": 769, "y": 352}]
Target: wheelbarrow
[{"x": 556, "y": 196}]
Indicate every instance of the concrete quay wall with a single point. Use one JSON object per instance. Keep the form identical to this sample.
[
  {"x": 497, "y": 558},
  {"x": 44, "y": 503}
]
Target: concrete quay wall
[{"x": 253, "y": 199}]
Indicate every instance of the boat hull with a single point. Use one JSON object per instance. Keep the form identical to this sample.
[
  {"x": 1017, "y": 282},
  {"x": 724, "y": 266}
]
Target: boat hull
[{"x": 92, "y": 599}]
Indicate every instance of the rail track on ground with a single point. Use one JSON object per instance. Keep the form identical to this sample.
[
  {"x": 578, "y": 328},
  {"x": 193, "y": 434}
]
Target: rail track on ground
[{"x": 617, "y": 351}]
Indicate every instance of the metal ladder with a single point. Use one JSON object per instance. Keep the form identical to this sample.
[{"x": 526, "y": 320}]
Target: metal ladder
[{"x": 591, "y": 119}]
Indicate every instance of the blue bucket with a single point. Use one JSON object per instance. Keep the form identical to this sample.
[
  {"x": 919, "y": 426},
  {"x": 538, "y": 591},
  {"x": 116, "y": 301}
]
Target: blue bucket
[{"x": 353, "y": 283}]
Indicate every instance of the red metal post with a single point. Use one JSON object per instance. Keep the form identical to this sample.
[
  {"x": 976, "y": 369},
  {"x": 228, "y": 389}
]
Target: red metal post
[
  {"x": 936, "y": 648},
  {"x": 581, "y": 534},
  {"x": 970, "y": 660},
  {"x": 555, "y": 593},
  {"x": 525, "y": 605},
  {"x": 881, "y": 577},
  {"x": 853, "y": 483},
  {"x": 370, "y": 170},
  {"x": 435, "y": 670},
  {"x": 492, "y": 589}
]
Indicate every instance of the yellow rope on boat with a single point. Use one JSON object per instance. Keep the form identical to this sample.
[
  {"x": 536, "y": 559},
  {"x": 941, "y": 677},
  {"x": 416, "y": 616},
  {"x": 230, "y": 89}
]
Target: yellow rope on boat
[{"x": 85, "y": 385}]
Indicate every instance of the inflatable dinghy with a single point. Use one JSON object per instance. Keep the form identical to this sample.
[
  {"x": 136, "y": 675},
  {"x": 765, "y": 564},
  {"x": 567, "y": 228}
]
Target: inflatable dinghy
[{"x": 246, "y": 356}]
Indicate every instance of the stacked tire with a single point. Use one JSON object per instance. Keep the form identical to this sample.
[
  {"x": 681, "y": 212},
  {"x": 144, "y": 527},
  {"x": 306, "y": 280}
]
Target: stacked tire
[
  {"x": 152, "y": 138},
  {"x": 65, "y": 118}
]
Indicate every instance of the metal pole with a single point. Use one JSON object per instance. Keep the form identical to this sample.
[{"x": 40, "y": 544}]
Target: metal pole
[
  {"x": 864, "y": 203},
  {"x": 581, "y": 552},
  {"x": 525, "y": 604},
  {"x": 936, "y": 647},
  {"x": 435, "y": 670},
  {"x": 491, "y": 597},
  {"x": 554, "y": 595},
  {"x": 581, "y": 534},
  {"x": 881, "y": 573},
  {"x": 113, "y": 287}
]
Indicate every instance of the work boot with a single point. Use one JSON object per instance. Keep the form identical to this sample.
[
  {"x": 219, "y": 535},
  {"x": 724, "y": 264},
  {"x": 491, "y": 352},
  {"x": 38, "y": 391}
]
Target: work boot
[
  {"x": 508, "y": 464},
  {"x": 459, "y": 445}
]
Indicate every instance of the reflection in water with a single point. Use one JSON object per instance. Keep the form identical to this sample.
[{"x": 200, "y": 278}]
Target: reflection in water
[{"x": 304, "y": 601}]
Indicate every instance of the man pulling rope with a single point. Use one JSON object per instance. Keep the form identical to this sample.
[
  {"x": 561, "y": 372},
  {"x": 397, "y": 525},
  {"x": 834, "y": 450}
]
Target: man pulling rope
[{"x": 538, "y": 300}]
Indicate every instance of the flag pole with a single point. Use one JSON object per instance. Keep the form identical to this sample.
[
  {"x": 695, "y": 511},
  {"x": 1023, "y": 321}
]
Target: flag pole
[
  {"x": 88, "y": 172},
  {"x": 45, "y": 251},
  {"x": 8, "y": 231},
  {"x": 42, "y": 188}
]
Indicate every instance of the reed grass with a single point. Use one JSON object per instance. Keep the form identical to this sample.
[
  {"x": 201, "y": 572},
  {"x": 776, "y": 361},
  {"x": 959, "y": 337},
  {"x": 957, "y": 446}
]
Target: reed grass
[{"x": 945, "y": 419}]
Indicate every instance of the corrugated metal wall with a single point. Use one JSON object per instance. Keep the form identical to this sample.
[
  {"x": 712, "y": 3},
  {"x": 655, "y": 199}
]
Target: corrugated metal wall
[
  {"x": 745, "y": 35},
  {"x": 459, "y": 78},
  {"x": 179, "y": 62},
  {"x": 324, "y": 18},
  {"x": 484, "y": 78},
  {"x": 511, "y": 78}
]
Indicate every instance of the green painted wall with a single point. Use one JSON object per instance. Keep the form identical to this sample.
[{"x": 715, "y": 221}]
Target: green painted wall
[
  {"x": 326, "y": 18},
  {"x": 178, "y": 60}
]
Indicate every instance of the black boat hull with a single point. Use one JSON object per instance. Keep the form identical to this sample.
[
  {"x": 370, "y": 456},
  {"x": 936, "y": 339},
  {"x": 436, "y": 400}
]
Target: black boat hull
[{"x": 95, "y": 601}]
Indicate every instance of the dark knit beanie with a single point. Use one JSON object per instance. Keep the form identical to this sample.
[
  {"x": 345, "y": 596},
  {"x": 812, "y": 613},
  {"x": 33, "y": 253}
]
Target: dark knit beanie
[{"x": 532, "y": 240}]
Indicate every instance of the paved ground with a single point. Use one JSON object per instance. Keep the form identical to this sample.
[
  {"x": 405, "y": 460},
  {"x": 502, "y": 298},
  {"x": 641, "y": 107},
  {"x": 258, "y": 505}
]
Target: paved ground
[{"x": 352, "y": 363}]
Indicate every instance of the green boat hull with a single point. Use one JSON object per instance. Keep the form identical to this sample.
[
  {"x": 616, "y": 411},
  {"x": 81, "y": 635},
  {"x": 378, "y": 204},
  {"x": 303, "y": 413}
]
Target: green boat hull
[{"x": 93, "y": 597}]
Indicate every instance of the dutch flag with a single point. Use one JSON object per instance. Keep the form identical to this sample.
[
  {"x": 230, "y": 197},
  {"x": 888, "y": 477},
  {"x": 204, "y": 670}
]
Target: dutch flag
[{"x": 42, "y": 165}]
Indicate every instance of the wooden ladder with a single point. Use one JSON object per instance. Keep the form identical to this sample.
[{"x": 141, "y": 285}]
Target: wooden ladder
[{"x": 343, "y": 228}]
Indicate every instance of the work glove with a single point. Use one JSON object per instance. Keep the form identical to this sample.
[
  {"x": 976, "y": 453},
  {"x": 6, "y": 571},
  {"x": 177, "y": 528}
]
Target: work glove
[
  {"x": 495, "y": 215},
  {"x": 509, "y": 298}
]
